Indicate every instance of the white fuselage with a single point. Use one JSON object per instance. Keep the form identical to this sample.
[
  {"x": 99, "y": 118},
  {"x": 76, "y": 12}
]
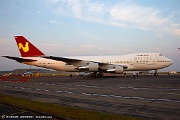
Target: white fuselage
[{"x": 134, "y": 62}]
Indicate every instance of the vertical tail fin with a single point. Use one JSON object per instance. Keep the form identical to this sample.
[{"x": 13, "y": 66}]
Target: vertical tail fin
[{"x": 26, "y": 48}]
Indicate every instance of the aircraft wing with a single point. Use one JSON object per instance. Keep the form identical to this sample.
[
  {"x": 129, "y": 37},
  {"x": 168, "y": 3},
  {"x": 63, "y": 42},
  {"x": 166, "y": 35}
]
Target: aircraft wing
[
  {"x": 108, "y": 64},
  {"x": 67, "y": 60},
  {"x": 20, "y": 60},
  {"x": 85, "y": 64},
  {"x": 70, "y": 61}
]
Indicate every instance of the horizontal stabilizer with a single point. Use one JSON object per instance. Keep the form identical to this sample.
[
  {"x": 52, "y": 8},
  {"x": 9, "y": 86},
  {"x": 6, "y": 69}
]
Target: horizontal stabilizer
[{"x": 18, "y": 59}]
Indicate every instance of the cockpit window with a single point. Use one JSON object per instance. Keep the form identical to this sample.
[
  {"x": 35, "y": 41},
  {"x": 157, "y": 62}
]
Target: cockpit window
[{"x": 160, "y": 55}]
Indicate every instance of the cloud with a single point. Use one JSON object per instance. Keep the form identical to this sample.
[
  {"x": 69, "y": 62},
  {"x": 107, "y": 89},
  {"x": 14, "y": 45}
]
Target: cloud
[
  {"x": 52, "y": 21},
  {"x": 177, "y": 32},
  {"x": 76, "y": 8},
  {"x": 140, "y": 17},
  {"x": 84, "y": 10},
  {"x": 122, "y": 14},
  {"x": 175, "y": 25},
  {"x": 136, "y": 16},
  {"x": 90, "y": 35},
  {"x": 53, "y": 1}
]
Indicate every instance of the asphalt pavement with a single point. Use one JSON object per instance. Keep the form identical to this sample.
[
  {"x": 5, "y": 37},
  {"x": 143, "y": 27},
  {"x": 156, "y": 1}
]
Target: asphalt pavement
[{"x": 147, "y": 97}]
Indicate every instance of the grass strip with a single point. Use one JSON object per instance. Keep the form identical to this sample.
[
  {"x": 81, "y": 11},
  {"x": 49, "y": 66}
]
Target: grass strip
[{"x": 60, "y": 111}]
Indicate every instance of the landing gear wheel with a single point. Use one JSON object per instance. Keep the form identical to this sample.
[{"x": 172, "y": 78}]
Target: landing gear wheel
[
  {"x": 96, "y": 74},
  {"x": 99, "y": 74},
  {"x": 155, "y": 74}
]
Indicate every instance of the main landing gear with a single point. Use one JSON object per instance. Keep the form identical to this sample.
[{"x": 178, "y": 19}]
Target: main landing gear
[
  {"x": 96, "y": 74},
  {"x": 155, "y": 73}
]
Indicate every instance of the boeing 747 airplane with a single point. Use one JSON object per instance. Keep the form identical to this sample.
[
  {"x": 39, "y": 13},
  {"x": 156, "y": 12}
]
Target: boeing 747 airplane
[{"x": 96, "y": 65}]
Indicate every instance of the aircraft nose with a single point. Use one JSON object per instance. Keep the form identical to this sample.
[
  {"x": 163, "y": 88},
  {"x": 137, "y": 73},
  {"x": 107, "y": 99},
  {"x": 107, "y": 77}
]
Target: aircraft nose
[{"x": 170, "y": 62}]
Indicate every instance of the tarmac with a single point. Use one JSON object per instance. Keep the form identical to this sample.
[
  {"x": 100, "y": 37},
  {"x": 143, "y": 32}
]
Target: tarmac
[
  {"x": 11, "y": 112},
  {"x": 147, "y": 97}
]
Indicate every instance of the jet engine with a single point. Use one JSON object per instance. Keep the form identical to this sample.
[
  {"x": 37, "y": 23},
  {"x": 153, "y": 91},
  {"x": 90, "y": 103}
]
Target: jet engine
[
  {"x": 117, "y": 70},
  {"x": 93, "y": 67}
]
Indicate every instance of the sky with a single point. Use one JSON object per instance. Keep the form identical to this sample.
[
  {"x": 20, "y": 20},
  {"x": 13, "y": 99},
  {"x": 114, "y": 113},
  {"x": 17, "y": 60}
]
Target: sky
[{"x": 91, "y": 27}]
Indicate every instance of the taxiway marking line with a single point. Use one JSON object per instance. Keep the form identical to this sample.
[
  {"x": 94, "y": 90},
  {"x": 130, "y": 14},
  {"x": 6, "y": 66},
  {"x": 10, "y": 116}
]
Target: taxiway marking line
[{"x": 94, "y": 94}]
